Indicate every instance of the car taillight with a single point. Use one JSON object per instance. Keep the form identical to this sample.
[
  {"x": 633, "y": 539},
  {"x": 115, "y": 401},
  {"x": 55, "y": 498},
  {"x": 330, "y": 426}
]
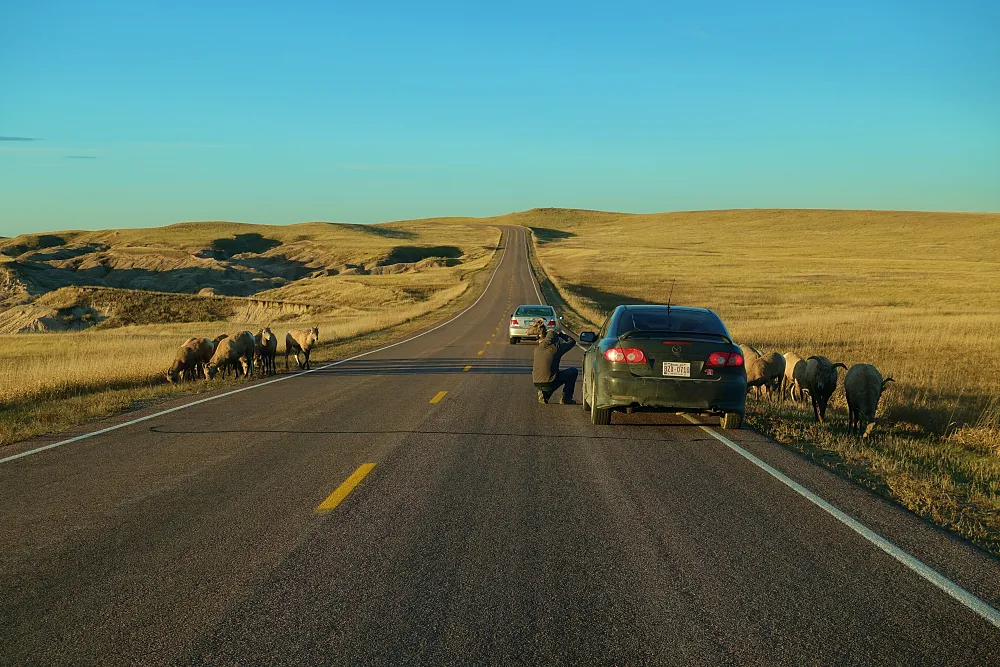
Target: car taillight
[
  {"x": 552, "y": 323},
  {"x": 725, "y": 359},
  {"x": 625, "y": 354},
  {"x": 513, "y": 322}
]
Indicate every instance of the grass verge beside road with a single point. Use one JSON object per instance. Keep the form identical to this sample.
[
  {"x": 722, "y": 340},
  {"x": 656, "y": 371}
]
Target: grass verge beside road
[
  {"x": 913, "y": 293},
  {"x": 54, "y": 381}
]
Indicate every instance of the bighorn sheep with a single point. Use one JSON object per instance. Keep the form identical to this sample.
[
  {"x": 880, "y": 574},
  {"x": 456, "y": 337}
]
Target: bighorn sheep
[
  {"x": 794, "y": 364},
  {"x": 267, "y": 350},
  {"x": 764, "y": 371},
  {"x": 863, "y": 386},
  {"x": 297, "y": 341},
  {"x": 233, "y": 352},
  {"x": 820, "y": 379},
  {"x": 190, "y": 360}
]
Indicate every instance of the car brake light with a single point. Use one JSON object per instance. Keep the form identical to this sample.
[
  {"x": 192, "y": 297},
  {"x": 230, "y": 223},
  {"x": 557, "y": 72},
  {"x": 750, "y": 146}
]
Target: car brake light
[
  {"x": 718, "y": 359},
  {"x": 725, "y": 359},
  {"x": 552, "y": 323},
  {"x": 628, "y": 354},
  {"x": 513, "y": 322}
]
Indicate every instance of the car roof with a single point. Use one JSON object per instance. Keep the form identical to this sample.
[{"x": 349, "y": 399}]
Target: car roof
[
  {"x": 534, "y": 305},
  {"x": 652, "y": 306}
]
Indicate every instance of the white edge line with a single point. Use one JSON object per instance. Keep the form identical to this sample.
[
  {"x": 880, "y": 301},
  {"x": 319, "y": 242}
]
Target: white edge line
[
  {"x": 534, "y": 280},
  {"x": 260, "y": 384},
  {"x": 929, "y": 574}
]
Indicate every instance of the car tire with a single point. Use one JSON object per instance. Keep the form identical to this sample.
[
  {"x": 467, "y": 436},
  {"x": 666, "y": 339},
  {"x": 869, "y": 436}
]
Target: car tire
[
  {"x": 731, "y": 420},
  {"x": 514, "y": 340},
  {"x": 598, "y": 416}
]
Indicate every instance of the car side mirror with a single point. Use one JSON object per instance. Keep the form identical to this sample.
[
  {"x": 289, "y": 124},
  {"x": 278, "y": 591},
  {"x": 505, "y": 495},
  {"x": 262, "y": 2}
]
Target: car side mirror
[{"x": 587, "y": 337}]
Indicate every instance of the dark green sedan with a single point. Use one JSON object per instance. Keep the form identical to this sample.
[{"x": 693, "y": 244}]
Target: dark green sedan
[{"x": 675, "y": 358}]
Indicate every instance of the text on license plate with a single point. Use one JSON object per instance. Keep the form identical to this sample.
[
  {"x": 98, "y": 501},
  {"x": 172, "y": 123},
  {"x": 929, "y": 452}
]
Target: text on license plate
[{"x": 676, "y": 369}]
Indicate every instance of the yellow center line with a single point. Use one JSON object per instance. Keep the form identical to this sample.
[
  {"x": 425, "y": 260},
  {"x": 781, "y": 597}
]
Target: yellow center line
[
  {"x": 337, "y": 496},
  {"x": 467, "y": 369},
  {"x": 488, "y": 342},
  {"x": 438, "y": 396},
  {"x": 480, "y": 351}
]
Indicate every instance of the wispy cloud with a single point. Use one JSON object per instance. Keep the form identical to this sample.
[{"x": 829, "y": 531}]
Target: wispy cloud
[
  {"x": 19, "y": 139},
  {"x": 81, "y": 157}
]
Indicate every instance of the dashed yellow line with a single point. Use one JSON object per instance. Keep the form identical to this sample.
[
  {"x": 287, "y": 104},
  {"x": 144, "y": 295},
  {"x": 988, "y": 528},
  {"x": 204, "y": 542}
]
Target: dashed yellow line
[
  {"x": 467, "y": 369},
  {"x": 337, "y": 496},
  {"x": 480, "y": 351},
  {"x": 438, "y": 396}
]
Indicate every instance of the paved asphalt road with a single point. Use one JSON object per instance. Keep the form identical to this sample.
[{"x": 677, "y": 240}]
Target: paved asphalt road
[{"x": 492, "y": 529}]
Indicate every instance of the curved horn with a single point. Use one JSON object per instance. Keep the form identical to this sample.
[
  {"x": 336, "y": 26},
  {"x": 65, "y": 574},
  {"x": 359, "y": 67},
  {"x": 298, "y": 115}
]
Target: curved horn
[
  {"x": 840, "y": 365},
  {"x": 812, "y": 357},
  {"x": 887, "y": 381}
]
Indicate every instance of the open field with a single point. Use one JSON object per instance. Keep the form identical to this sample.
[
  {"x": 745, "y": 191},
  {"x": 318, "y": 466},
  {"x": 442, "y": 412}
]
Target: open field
[
  {"x": 51, "y": 381},
  {"x": 916, "y": 294}
]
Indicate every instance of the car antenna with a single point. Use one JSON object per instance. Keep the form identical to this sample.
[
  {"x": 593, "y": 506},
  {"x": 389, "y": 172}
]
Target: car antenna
[{"x": 671, "y": 296}]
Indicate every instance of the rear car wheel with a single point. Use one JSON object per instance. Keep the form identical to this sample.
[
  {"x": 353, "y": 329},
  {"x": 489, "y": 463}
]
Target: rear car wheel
[
  {"x": 514, "y": 340},
  {"x": 598, "y": 416},
  {"x": 731, "y": 420}
]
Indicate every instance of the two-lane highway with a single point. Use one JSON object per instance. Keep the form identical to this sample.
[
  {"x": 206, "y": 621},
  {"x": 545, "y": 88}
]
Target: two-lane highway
[{"x": 417, "y": 505}]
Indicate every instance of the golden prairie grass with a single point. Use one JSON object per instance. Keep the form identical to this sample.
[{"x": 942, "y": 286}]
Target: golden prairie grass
[
  {"x": 915, "y": 294},
  {"x": 52, "y": 381}
]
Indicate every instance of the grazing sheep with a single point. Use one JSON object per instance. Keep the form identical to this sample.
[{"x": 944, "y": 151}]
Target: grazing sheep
[
  {"x": 233, "y": 353},
  {"x": 793, "y": 385},
  {"x": 820, "y": 379},
  {"x": 247, "y": 346},
  {"x": 297, "y": 341},
  {"x": 216, "y": 340},
  {"x": 226, "y": 357},
  {"x": 764, "y": 371},
  {"x": 267, "y": 350},
  {"x": 190, "y": 359},
  {"x": 863, "y": 386}
]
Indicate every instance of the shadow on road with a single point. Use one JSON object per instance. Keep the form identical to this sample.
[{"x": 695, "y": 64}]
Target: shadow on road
[{"x": 429, "y": 367}]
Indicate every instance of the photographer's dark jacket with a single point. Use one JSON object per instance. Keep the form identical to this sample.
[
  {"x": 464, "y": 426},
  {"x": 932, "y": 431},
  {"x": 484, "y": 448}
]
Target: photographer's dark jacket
[{"x": 547, "y": 355}]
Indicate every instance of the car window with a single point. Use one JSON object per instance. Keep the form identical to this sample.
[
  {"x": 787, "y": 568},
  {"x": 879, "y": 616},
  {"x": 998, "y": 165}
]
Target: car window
[
  {"x": 535, "y": 311},
  {"x": 690, "y": 321},
  {"x": 604, "y": 328}
]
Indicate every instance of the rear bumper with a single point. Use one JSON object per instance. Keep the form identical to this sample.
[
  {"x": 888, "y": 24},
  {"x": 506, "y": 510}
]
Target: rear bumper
[
  {"x": 515, "y": 332},
  {"x": 726, "y": 394}
]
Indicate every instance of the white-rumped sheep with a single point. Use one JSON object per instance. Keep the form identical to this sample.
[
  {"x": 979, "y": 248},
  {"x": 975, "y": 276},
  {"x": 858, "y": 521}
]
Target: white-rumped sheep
[
  {"x": 820, "y": 379},
  {"x": 297, "y": 341},
  {"x": 267, "y": 350},
  {"x": 863, "y": 386},
  {"x": 765, "y": 372},
  {"x": 190, "y": 360},
  {"x": 794, "y": 363}
]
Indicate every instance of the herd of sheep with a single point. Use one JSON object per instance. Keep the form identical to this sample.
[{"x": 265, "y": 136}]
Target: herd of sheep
[
  {"x": 239, "y": 353},
  {"x": 777, "y": 375}
]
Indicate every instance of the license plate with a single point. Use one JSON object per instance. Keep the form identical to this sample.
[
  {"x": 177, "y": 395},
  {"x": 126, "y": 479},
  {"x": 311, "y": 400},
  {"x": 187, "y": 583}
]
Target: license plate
[{"x": 676, "y": 369}]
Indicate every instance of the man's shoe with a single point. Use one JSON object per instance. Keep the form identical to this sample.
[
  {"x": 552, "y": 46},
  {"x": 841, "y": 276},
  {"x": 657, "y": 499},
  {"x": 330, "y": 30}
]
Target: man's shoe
[
  {"x": 542, "y": 398},
  {"x": 567, "y": 400}
]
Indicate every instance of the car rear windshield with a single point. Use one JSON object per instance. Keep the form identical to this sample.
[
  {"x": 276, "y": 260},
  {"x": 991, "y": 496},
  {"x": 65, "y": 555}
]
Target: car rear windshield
[
  {"x": 687, "y": 321},
  {"x": 534, "y": 311}
]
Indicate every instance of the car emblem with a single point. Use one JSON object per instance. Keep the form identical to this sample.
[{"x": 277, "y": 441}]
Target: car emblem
[{"x": 676, "y": 349}]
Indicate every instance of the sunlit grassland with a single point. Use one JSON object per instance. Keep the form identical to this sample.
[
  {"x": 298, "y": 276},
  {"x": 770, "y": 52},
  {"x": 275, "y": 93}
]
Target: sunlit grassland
[
  {"x": 916, "y": 294},
  {"x": 52, "y": 381}
]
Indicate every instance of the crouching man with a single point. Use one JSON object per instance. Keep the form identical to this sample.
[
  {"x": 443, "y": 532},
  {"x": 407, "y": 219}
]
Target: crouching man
[{"x": 545, "y": 372}]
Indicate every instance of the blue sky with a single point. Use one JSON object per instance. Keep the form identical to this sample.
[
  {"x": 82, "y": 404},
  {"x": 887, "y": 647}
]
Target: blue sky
[{"x": 152, "y": 113}]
